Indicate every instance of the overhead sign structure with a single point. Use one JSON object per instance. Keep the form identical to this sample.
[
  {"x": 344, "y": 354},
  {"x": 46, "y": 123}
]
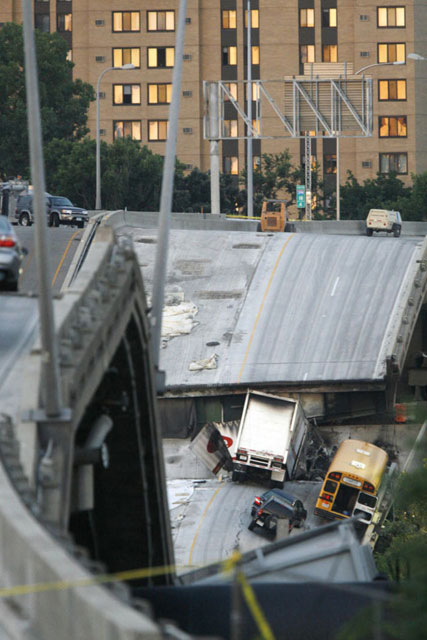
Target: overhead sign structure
[{"x": 300, "y": 196}]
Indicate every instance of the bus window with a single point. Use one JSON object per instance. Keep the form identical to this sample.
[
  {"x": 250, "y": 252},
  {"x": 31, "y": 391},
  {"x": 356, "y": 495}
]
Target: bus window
[
  {"x": 367, "y": 500},
  {"x": 345, "y": 500},
  {"x": 364, "y": 514}
]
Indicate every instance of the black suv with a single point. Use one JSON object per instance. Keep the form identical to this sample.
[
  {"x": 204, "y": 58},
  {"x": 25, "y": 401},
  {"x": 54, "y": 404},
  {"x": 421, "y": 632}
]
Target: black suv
[
  {"x": 273, "y": 505},
  {"x": 59, "y": 210}
]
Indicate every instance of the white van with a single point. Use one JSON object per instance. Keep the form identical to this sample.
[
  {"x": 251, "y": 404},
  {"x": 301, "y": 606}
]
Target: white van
[{"x": 383, "y": 220}]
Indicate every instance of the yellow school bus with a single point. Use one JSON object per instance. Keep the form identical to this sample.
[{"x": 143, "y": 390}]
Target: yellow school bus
[{"x": 351, "y": 485}]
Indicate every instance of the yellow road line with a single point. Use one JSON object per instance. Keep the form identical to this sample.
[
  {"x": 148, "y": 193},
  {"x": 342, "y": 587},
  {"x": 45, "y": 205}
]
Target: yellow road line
[
  {"x": 200, "y": 524},
  {"x": 64, "y": 256},
  {"x": 262, "y": 307}
]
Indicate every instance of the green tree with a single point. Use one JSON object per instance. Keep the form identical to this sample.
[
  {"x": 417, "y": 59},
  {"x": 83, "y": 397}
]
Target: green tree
[
  {"x": 386, "y": 191},
  {"x": 64, "y": 102}
]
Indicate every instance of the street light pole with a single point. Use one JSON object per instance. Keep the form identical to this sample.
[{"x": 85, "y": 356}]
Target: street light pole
[{"x": 125, "y": 67}]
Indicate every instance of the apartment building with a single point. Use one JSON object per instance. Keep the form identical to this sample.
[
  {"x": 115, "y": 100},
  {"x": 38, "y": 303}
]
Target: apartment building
[{"x": 284, "y": 36}]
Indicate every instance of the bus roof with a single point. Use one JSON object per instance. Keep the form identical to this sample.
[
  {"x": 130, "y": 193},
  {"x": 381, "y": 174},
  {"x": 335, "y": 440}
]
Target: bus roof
[{"x": 361, "y": 459}]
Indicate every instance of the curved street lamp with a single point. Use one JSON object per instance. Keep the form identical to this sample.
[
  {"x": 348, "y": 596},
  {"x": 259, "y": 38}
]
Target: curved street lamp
[
  {"x": 124, "y": 67},
  {"x": 378, "y": 64}
]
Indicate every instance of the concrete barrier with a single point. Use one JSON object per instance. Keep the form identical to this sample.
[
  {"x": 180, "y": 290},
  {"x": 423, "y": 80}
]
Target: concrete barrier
[{"x": 222, "y": 222}]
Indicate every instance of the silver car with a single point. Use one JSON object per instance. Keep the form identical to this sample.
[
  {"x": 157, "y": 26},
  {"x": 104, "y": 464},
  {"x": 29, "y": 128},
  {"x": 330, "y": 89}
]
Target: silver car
[{"x": 11, "y": 256}]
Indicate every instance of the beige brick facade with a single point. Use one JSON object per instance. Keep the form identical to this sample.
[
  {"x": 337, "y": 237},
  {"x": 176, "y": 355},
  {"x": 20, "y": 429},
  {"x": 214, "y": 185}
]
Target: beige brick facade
[{"x": 91, "y": 38}]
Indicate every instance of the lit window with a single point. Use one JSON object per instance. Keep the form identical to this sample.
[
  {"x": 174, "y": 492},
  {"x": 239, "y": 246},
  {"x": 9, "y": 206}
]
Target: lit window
[
  {"x": 70, "y": 55},
  {"x": 230, "y": 128},
  {"x": 158, "y": 130},
  {"x": 256, "y": 163},
  {"x": 394, "y": 162},
  {"x": 392, "y": 127},
  {"x": 254, "y": 19},
  {"x": 64, "y": 22},
  {"x": 392, "y": 90},
  {"x": 330, "y": 163},
  {"x": 230, "y": 165},
  {"x": 392, "y": 52},
  {"x": 160, "y": 57},
  {"x": 232, "y": 88},
  {"x": 126, "y": 21},
  {"x": 256, "y": 126},
  {"x": 126, "y": 56},
  {"x": 159, "y": 93},
  {"x": 329, "y": 17},
  {"x": 306, "y": 17},
  {"x": 229, "y": 56},
  {"x": 329, "y": 53},
  {"x": 255, "y": 91},
  {"x": 307, "y": 53},
  {"x": 160, "y": 20},
  {"x": 127, "y": 128},
  {"x": 126, "y": 94},
  {"x": 391, "y": 17},
  {"x": 228, "y": 19},
  {"x": 255, "y": 54}
]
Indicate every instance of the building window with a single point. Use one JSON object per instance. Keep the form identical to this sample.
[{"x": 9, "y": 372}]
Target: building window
[
  {"x": 230, "y": 164},
  {"x": 306, "y": 17},
  {"x": 256, "y": 163},
  {"x": 230, "y": 128},
  {"x": 329, "y": 17},
  {"x": 229, "y": 56},
  {"x": 158, "y": 130},
  {"x": 126, "y": 21},
  {"x": 329, "y": 53},
  {"x": 127, "y": 128},
  {"x": 126, "y": 94},
  {"x": 256, "y": 92},
  {"x": 392, "y": 52},
  {"x": 160, "y": 57},
  {"x": 70, "y": 55},
  {"x": 255, "y": 54},
  {"x": 392, "y": 127},
  {"x": 160, "y": 93},
  {"x": 394, "y": 162},
  {"x": 232, "y": 88},
  {"x": 160, "y": 20},
  {"x": 391, "y": 17},
  {"x": 229, "y": 20},
  {"x": 254, "y": 19},
  {"x": 330, "y": 163},
  {"x": 307, "y": 53},
  {"x": 391, "y": 90},
  {"x": 42, "y": 22},
  {"x": 64, "y": 22},
  {"x": 126, "y": 56},
  {"x": 256, "y": 126}
]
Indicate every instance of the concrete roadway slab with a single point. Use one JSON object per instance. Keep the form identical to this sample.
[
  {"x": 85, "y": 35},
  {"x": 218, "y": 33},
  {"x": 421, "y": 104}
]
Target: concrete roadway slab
[
  {"x": 279, "y": 308},
  {"x": 210, "y": 516}
]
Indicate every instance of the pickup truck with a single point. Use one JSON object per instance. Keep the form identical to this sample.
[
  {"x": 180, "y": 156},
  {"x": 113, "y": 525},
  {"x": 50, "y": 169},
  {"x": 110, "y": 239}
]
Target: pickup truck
[{"x": 270, "y": 439}]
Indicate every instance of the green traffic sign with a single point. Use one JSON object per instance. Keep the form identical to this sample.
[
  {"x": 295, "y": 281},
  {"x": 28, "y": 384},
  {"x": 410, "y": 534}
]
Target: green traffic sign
[{"x": 300, "y": 196}]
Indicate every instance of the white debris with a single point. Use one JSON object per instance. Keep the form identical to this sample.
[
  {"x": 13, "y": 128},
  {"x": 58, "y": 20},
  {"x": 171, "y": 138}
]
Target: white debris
[
  {"x": 206, "y": 363},
  {"x": 178, "y": 319}
]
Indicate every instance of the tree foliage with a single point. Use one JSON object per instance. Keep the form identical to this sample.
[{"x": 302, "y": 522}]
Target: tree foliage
[
  {"x": 386, "y": 191},
  {"x": 64, "y": 102}
]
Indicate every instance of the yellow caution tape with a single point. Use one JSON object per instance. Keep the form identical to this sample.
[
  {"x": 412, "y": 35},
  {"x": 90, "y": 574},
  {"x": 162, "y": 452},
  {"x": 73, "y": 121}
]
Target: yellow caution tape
[
  {"x": 62, "y": 585},
  {"x": 249, "y": 595}
]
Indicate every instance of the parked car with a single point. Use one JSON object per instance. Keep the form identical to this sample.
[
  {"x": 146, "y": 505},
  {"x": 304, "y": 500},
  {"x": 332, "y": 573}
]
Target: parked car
[
  {"x": 273, "y": 505},
  {"x": 383, "y": 220},
  {"x": 11, "y": 256},
  {"x": 59, "y": 210}
]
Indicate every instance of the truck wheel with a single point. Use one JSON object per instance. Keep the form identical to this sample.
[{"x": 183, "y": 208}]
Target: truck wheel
[
  {"x": 252, "y": 524},
  {"x": 24, "y": 220},
  {"x": 277, "y": 484},
  {"x": 369, "y": 231},
  {"x": 258, "y": 227},
  {"x": 396, "y": 231},
  {"x": 54, "y": 220}
]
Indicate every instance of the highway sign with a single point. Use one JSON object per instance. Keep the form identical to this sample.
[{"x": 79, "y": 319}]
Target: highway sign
[{"x": 300, "y": 196}]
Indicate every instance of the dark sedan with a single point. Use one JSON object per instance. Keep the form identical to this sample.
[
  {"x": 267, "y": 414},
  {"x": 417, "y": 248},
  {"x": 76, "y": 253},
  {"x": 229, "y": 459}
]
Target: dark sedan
[
  {"x": 11, "y": 256},
  {"x": 273, "y": 505}
]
